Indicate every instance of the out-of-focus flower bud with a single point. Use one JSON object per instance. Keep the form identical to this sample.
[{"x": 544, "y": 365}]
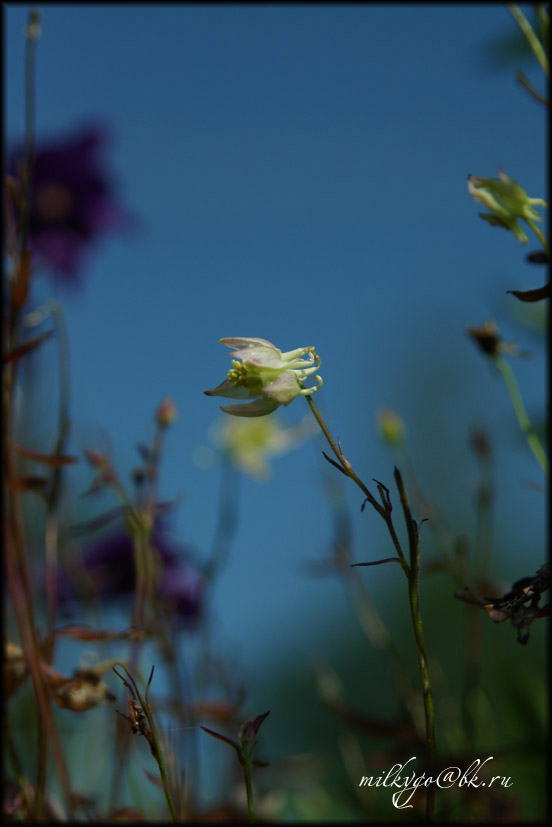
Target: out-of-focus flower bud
[
  {"x": 166, "y": 413},
  {"x": 249, "y": 444},
  {"x": 248, "y": 730},
  {"x": 390, "y": 427},
  {"x": 487, "y": 338}
]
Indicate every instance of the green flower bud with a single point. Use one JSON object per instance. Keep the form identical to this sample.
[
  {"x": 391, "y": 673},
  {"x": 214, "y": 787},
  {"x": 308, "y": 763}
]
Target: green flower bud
[
  {"x": 507, "y": 201},
  {"x": 391, "y": 427}
]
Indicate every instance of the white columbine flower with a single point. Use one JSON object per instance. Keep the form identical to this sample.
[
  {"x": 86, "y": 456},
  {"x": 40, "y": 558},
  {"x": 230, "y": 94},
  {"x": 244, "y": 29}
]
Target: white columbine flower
[{"x": 263, "y": 373}]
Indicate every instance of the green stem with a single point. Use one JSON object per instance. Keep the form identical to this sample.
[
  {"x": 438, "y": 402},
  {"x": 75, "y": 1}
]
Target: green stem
[
  {"x": 520, "y": 412},
  {"x": 532, "y": 38},
  {"x": 414, "y": 547},
  {"x": 248, "y": 788},
  {"x": 411, "y": 572},
  {"x": 520, "y": 77},
  {"x": 427, "y": 692},
  {"x": 161, "y": 764}
]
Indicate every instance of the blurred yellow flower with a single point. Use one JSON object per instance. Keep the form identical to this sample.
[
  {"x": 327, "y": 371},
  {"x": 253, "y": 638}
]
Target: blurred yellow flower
[{"x": 249, "y": 444}]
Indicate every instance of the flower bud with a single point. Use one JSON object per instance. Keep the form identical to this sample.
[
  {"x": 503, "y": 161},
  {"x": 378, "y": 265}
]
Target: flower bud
[
  {"x": 487, "y": 338},
  {"x": 166, "y": 413},
  {"x": 248, "y": 731},
  {"x": 390, "y": 427}
]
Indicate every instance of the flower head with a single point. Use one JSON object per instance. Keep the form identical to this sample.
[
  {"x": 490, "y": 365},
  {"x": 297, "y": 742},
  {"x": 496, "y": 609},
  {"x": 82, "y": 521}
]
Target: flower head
[
  {"x": 487, "y": 338},
  {"x": 166, "y": 413},
  {"x": 109, "y": 571},
  {"x": 507, "y": 201},
  {"x": 263, "y": 373},
  {"x": 72, "y": 200},
  {"x": 249, "y": 444}
]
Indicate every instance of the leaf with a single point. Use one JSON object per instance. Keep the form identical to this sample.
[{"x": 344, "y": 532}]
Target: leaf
[
  {"x": 378, "y": 562},
  {"x": 538, "y": 257},
  {"x": 226, "y": 740},
  {"x": 86, "y": 633},
  {"x": 334, "y": 463},
  {"x": 156, "y": 781},
  {"x": 98, "y": 522},
  {"x": 26, "y": 347},
  {"x": 27, "y": 483},
  {"x": 536, "y": 295},
  {"x": 46, "y": 459}
]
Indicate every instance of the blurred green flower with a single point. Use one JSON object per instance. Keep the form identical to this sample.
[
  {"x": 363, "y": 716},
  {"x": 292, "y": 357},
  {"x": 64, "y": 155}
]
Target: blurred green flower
[
  {"x": 507, "y": 201},
  {"x": 390, "y": 427},
  {"x": 249, "y": 444},
  {"x": 263, "y": 373}
]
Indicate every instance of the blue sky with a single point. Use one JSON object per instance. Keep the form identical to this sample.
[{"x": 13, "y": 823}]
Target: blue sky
[{"x": 300, "y": 175}]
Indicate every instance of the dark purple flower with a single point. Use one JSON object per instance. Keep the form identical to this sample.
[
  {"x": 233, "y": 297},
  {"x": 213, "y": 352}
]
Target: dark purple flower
[
  {"x": 72, "y": 201},
  {"x": 108, "y": 571}
]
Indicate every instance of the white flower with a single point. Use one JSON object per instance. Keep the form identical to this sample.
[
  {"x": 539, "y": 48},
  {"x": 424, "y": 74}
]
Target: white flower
[{"x": 263, "y": 373}]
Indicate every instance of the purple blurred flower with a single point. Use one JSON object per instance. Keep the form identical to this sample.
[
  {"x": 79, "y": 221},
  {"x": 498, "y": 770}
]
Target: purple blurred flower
[
  {"x": 72, "y": 201},
  {"x": 109, "y": 568}
]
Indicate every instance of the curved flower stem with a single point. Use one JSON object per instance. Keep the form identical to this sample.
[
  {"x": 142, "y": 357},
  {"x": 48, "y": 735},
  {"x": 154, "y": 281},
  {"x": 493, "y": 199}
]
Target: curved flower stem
[
  {"x": 521, "y": 413},
  {"x": 158, "y": 754},
  {"x": 148, "y": 730},
  {"x": 140, "y": 541},
  {"x": 532, "y": 38},
  {"x": 412, "y": 572},
  {"x": 53, "y": 498},
  {"x": 346, "y": 466},
  {"x": 17, "y": 560},
  {"x": 520, "y": 77}
]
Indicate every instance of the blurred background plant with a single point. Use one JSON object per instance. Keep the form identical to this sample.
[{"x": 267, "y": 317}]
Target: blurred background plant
[{"x": 98, "y": 577}]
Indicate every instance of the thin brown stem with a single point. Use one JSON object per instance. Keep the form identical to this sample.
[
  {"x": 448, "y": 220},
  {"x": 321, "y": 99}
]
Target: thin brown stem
[{"x": 412, "y": 572}]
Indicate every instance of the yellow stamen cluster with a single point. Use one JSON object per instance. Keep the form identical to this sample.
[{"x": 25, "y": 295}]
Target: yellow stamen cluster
[{"x": 238, "y": 373}]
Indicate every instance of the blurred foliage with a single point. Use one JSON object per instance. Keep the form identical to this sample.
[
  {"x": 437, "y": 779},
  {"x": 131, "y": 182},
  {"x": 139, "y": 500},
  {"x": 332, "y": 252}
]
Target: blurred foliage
[{"x": 510, "y": 49}]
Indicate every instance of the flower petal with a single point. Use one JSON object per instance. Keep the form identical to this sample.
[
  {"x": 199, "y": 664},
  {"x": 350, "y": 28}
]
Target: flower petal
[
  {"x": 246, "y": 342},
  {"x": 261, "y": 357},
  {"x": 260, "y": 407},
  {"x": 284, "y": 389},
  {"x": 229, "y": 390}
]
